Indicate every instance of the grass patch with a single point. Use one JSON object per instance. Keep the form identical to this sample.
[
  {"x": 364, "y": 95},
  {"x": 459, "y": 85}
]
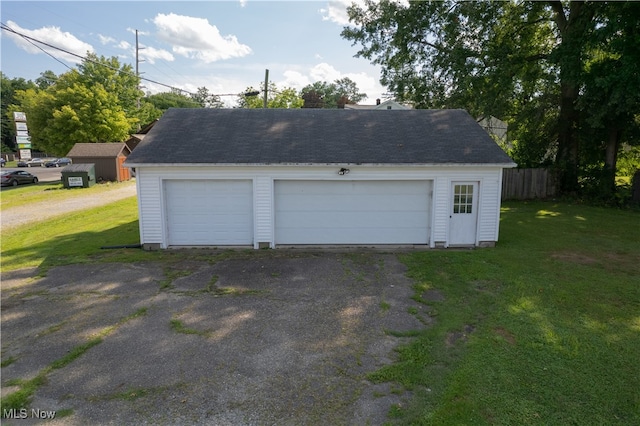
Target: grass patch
[
  {"x": 542, "y": 329},
  {"x": 8, "y": 361},
  {"x": 22, "y": 397},
  {"x": 179, "y": 327}
]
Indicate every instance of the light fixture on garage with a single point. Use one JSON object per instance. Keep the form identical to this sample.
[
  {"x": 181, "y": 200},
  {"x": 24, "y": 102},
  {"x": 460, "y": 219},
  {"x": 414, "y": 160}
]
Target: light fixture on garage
[{"x": 343, "y": 171}]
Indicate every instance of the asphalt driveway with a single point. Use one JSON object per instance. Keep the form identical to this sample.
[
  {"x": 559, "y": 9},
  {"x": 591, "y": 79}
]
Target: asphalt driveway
[{"x": 268, "y": 337}]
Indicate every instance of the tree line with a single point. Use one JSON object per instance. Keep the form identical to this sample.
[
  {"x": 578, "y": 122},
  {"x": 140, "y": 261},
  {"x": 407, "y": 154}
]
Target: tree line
[
  {"x": 100, "y": 101},
  {"x": 564, "y": 75}
]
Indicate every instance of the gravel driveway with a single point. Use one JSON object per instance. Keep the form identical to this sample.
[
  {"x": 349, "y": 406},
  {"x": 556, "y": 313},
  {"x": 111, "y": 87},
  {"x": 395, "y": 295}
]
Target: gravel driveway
[
  {"x": 255, "y": 338},
  {"x": 45, "y": 210}
]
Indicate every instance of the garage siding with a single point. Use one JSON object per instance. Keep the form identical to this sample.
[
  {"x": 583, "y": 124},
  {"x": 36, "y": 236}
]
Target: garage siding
[
  {"x": 152, "y": 198},
  {"x": 352, "y": 212}
]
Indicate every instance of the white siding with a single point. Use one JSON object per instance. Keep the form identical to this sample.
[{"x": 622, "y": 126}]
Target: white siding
[
  {"x": 263, "y": 190},
  {"x": 440, "y": 210},
  {"x": 152, "y": 205}
]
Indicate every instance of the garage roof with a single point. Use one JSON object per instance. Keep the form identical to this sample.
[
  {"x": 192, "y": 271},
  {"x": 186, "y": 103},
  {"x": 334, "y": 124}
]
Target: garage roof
[
  {"x": 317, "y": 136},
  {"x": 95, "y": 150}
]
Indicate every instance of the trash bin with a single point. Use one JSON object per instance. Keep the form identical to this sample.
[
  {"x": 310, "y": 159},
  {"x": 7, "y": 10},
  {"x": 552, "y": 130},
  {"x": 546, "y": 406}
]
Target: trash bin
[{"x": 79, "y": 175}]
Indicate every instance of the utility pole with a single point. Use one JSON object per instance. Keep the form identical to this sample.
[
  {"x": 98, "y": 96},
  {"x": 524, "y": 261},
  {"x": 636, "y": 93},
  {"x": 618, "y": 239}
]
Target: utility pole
[
  {"x": 266, "y": 87},
  {"x": 138, "y": 66}
]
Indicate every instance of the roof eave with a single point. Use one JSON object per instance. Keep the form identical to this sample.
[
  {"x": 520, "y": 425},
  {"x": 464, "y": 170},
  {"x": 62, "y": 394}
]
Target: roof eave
[{"x": 489, "y": 165}]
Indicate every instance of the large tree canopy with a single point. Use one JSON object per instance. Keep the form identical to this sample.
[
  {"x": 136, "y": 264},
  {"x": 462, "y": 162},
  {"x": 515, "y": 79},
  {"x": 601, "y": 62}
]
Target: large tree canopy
[
  {"x": 529, "y": 63},
  {"x": 331, "y": 95},
  {"x": 94, "y": 103},
  {"x": 286, "y": 97}
]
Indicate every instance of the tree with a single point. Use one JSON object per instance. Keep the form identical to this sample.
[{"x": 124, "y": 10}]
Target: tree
[
  {"x": 520, "y": 61},
  {"x": 70, "y": 111},
  {"x": 46, "y": 79},
  {"x": 206, "y": 99},
  {"x": 611, "y": 94},
  {"x": 331, "y": 95},
  {"x": 276, "y": 98},
  {"x": 174, "y": 99}
]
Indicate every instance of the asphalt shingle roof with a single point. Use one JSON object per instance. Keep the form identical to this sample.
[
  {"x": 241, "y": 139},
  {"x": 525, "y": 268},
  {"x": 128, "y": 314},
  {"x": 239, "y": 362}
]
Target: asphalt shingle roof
[
  {"x": 109, "y": 149},
  {"x": 317, "y": 136}
]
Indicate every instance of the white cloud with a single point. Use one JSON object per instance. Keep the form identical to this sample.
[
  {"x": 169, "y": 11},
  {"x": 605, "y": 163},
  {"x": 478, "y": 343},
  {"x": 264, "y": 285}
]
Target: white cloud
[
  {"x": 151, "y": 54},
  {"x": 336, "y": 11},
  {"x": 124, "y": 45},
  {"x": 197, "y": 38},
  {"x": 324, "y": 72},
  {"x": 53, "y": 36},
  {"x": 106, "y": 39},
  {"x": 294, "y": 79}
]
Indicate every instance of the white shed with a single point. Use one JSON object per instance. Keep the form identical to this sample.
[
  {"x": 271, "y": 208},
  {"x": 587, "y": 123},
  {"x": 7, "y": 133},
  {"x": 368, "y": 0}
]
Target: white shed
[{"x": 279, "y": 178}]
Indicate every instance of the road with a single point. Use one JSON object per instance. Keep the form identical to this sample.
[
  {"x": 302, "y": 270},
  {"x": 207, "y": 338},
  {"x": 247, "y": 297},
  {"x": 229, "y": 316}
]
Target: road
[{"x": 44, "y": 174}]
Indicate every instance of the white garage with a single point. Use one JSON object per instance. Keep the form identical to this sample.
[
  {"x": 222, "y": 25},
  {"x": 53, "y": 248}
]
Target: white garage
[
  {"x": 352, "y": 212},
  {"x": 209, "y": 212},
  {"x": 279, "y": 178}
]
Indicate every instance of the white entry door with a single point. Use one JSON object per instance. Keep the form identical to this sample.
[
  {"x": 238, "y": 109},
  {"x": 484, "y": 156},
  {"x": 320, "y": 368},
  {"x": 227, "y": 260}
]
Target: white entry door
[{"x": 463, "y": 214}]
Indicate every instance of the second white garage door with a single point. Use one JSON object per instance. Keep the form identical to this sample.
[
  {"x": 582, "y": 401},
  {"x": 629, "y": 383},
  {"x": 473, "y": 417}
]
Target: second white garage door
[
  {"x": 209, "y": 212},
  {"x": 352, "y": 212}
]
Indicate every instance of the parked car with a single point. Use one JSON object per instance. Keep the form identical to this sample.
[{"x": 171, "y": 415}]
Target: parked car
[
  {"x": 16, "y": 177},
  {"x": 34, "y": 162},
  {"x": 58, "y": 162}
]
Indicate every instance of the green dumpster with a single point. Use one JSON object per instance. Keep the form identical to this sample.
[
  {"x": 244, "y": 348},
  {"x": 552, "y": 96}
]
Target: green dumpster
[{"x": 79, "y": 175}]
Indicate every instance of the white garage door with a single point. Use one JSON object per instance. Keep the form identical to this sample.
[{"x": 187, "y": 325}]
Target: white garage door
[
  {"x": 209, "y": 212},
  {"x": 352, "y": 212}
]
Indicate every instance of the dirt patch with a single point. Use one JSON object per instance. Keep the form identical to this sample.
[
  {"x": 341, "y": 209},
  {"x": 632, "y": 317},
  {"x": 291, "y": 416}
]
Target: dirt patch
[
  {"x": 458, "y": 336},
  {"x": 506, "y": 335},
  {"x": 574, "y": 258}
]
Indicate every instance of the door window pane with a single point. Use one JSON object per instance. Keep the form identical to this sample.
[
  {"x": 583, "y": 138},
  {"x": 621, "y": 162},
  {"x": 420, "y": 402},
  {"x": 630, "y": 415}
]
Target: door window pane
[{"x": 462, "y": 199}]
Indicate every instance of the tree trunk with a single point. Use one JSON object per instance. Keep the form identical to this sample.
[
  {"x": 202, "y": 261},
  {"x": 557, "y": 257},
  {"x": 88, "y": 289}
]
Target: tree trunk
[
  {"x": 610, "y": 161},
  {"x": 567, "y": 157},
  {"x": 572, "y": 29}
]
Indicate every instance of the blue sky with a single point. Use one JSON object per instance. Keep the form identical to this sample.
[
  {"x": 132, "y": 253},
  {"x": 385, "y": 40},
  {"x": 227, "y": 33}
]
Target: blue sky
[{"x": 222, "y": 45}]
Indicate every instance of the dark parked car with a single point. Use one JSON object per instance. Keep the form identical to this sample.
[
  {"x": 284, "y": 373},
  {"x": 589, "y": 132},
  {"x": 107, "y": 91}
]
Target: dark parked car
[
  {"x": 16, "y": 177},
  {"x": 34, "y": 162},
  {"x": 58, "y": 162}
]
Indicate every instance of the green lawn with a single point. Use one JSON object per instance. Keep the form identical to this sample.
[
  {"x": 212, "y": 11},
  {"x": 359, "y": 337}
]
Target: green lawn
[{"x": 544, "y": 329}]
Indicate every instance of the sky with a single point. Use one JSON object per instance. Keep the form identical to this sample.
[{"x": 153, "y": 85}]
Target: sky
[{"x": 225, "y": 46}]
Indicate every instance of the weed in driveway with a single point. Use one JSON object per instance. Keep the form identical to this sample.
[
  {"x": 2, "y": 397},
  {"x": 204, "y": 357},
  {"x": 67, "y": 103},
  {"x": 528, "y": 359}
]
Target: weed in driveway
[
  {"x": 8, "y": 361},
  {"x": 179, "y": 327}
]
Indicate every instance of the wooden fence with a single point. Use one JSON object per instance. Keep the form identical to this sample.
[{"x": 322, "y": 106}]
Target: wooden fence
[{"x": 524, "y": 184}]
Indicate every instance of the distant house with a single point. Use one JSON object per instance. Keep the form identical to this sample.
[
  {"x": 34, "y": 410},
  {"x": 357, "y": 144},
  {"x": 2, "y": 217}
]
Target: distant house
[
  {"x": 379, "y": 105},
  {"x": 108, "y": 158},
  {"x": 278, "y": 178},
  {"x": 495, "y": 127},
  {"x": 136, "y": 138}
]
